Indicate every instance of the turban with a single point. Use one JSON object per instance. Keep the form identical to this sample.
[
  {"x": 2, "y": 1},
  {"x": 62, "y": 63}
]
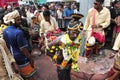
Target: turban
[
  {"x": 77, "y": 16},
  {"x": 10, "y": 17},
  {"x": 75, "y": 24}
]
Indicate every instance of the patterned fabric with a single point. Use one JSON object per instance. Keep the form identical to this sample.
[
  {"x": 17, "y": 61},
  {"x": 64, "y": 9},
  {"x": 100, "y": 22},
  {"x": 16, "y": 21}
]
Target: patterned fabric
[
  {"x": 27, "y": 70},
  {"x": 10, "y": 17},
  {"x": 3, "y": 72},
  {"x": 71, "y": 50}
]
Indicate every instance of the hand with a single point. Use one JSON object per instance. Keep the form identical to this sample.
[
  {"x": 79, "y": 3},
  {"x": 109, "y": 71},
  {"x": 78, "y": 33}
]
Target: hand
[
  {"x": 31, "y": 61},
  {"x": 16, "y": 68},
  {"x": 113, "y": 20}
]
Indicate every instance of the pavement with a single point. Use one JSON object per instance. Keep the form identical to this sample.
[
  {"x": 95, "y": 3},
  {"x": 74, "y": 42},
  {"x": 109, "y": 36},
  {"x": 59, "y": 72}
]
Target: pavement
[{"x": 47, "y": 70}]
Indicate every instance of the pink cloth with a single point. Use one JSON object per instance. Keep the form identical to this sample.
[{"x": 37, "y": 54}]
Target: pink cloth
[{"x": 116, "y": 28}]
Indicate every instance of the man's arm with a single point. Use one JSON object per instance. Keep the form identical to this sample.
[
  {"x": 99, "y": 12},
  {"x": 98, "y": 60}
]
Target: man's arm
[
  {"x": 107, "y": 21},
  {"x": 87, "y": 21}
]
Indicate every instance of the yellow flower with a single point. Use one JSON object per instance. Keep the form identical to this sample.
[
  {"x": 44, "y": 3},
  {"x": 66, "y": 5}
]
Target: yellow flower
[
  {"x": 53, "y": 47},
  {"x": 54, "y": 57},
  {"x": 57, "y": 49},
  {"x": 51, "y": 51},
  {"x": 60, "y": 47}
]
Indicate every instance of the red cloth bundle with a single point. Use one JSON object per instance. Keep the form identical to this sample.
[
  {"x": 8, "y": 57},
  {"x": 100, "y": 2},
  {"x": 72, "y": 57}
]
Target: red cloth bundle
[{"x": 98, "y": 36}]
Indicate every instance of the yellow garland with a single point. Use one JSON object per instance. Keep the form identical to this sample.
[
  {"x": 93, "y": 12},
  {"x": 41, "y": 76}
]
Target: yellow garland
[
  {"x": 74, "y": 53},
  {"x": 68, "y": 40}
]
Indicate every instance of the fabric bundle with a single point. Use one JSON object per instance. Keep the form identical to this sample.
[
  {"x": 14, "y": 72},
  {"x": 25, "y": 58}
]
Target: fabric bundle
[{"x": 10, "y": 17}]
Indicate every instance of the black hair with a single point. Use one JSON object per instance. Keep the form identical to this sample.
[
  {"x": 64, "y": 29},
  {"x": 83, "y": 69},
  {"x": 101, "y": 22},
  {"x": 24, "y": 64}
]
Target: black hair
[
  {"x": 101, "y": 1},
  {"x": 116, "y": 1},
  {"x": 46, "y": 13},
  {"x": 60, "y": 5},
  {"x": 46, "y": 6}
]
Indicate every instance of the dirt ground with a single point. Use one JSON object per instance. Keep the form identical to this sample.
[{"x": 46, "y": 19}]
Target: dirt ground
[{"x": 47, "y": 70}]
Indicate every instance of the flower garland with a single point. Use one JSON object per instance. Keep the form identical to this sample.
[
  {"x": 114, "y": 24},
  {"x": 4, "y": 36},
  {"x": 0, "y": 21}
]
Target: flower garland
[
  {"x": 54, "y": 50},
  {"x": 73, "y": 47},
  {"x": 72, "y": 44}
]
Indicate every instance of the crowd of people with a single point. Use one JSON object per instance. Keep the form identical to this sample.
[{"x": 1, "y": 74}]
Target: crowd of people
[{"x": 55, "y": 29}]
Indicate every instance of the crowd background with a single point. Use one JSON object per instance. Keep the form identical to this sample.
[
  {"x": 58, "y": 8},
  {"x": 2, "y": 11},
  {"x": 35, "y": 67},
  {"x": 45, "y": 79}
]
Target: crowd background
[{"x": 35, "y": 18}]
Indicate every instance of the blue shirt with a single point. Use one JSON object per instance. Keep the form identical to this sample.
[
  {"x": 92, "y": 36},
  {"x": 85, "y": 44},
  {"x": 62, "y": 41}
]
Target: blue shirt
[
  {"x": 67, "y": 13},
  {"x": 15, "y": 38}
]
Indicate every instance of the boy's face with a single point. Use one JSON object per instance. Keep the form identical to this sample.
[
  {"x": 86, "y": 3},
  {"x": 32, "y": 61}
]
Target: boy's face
[{"x": 73, "y": 34}]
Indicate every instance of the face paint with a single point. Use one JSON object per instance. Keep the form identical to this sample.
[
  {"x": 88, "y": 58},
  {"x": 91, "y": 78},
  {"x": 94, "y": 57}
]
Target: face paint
[{"x": 73, "y": 34}]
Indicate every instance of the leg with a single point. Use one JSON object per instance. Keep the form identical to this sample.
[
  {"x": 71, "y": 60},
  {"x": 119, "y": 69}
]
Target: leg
[
  {"x": 98, "y": 47},
  {"x": 88, "y": 50},
  {"x": 64, "y": 74}
]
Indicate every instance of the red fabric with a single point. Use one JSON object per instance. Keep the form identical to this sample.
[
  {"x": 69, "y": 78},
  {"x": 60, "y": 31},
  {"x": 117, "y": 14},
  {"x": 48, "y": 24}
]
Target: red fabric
[
  {"x": 111, "y": 73},
  {"x": 4, "y": 3},
  {"x": 117, "y": 28},
  {"x": 99, "y": 36}
]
